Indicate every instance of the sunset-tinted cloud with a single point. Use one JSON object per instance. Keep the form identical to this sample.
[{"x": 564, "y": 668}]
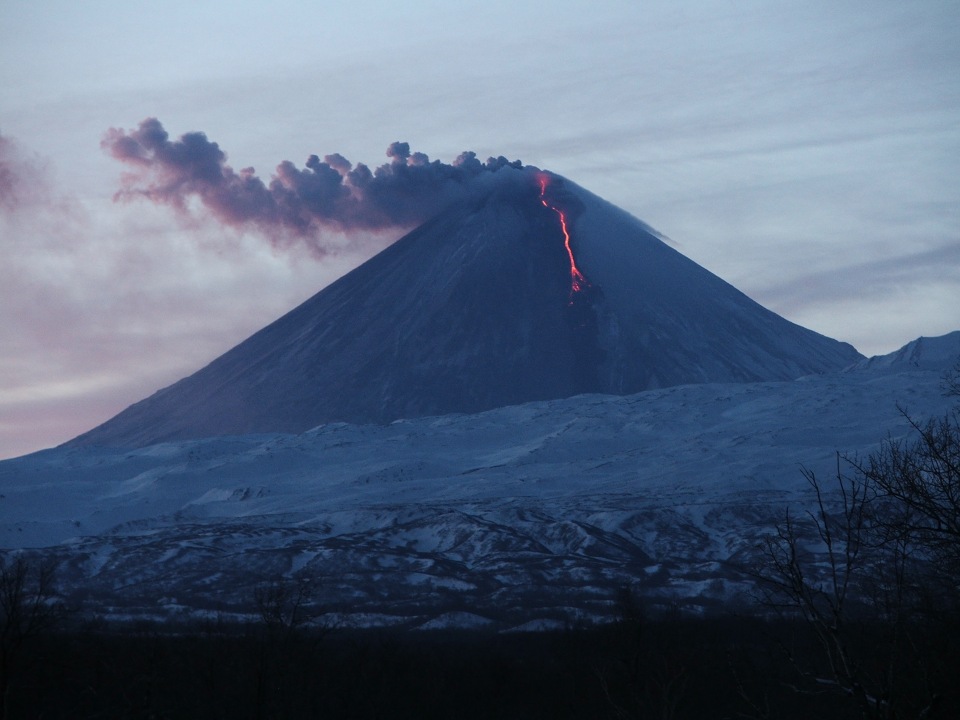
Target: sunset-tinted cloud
[{"x": 297, "y": 202}]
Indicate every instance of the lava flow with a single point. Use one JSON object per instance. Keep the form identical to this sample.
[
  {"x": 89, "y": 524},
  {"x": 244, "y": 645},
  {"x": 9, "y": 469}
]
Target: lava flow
[{"x": 577, "y": 281}]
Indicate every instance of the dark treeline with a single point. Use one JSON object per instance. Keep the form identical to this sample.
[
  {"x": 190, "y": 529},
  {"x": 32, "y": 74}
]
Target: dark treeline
[{"x": 672, "y": 666}]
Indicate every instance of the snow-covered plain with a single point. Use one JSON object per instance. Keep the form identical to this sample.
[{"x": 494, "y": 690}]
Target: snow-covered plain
[{"x": 524, "y": 516}]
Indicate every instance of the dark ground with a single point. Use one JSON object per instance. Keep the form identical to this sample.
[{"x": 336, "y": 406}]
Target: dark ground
[{"x": 669, "y": 667}]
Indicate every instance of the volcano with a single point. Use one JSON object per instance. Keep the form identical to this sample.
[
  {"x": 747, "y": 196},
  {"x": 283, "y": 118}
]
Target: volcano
[{"x": 480, "y": 308}]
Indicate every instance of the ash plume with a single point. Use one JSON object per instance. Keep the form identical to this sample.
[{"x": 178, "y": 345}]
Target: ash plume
[
  {"x": 21, "y": 178},
  {"x": 331, "y": 193},
  {"x": 7, "y": 175}
]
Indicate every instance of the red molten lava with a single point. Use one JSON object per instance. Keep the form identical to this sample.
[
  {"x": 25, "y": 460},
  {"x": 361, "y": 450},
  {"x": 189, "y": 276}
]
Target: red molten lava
[{"x": 577, "y": 281}]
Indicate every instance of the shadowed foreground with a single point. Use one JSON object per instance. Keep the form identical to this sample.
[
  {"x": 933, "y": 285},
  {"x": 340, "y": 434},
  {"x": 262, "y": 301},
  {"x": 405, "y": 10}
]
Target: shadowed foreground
[{"x": 670, "y": 667}]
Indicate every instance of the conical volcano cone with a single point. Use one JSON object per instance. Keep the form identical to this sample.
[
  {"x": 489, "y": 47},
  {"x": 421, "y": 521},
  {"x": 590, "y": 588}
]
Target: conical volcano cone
[{"x": 474, "y": 310}]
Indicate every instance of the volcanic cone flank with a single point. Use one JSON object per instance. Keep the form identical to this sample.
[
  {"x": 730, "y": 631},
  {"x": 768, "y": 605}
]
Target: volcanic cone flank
[{"x": 474, "y": 310}]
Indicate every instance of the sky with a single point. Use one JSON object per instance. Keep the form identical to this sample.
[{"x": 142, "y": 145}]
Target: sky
[{"x": 806, "y": 152}]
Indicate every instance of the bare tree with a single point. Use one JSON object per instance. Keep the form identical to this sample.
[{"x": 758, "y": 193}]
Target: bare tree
[
  {"x": 28, "y": 608},
  {"x": 883, "y": 546},
  {"x": 917, "y": 491},
  {"x": 951, "y": 380},
  {"x": 652, "y": 677},
  {"x": 823, "y": 593},
  {"x": 284, "y": 605}
]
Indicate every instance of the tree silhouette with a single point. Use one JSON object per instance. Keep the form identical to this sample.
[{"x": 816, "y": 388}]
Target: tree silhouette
[
  {"x": 27, "y": 609},
  {"x": 873, "y": 569}
]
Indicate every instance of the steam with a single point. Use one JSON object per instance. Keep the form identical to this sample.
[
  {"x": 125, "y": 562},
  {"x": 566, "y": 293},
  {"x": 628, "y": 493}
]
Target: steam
[{"x": 328, "y": 194}]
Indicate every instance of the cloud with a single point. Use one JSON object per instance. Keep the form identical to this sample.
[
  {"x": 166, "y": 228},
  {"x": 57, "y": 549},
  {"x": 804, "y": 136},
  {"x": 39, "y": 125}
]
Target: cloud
[
  {"x": 329, "y": 194},
  {"x": 873, "y": 279}
]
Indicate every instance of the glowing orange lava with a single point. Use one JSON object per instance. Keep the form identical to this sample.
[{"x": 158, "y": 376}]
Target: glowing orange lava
[{"x": 577, "y": 281}]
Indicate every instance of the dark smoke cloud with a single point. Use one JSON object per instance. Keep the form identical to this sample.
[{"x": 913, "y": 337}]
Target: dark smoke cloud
[
  {"x": 325, "y": 194},
  {"x": 26, "y": 183}
]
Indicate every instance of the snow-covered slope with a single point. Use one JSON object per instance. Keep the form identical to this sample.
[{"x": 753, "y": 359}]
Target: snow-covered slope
[
  {"x": 676, "y": 322},
  {"x": 924, "y": 353},
  {"x": 473, "y": 311},
  {"x": 533, "y": 513}
]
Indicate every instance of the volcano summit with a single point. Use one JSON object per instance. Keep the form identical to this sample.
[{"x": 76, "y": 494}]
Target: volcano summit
[{"x": 480, "y": 308}]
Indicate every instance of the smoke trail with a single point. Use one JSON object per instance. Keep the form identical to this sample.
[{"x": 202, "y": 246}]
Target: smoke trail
[
  {"x": 7, "y": 175},
  {"x": 325, "y": 194},
  {"x": 22, "y": 178}
]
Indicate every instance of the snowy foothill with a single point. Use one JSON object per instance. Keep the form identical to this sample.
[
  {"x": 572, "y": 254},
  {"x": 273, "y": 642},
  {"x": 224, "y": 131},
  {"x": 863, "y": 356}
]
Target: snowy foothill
[{"x": 534, "y": 513}]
